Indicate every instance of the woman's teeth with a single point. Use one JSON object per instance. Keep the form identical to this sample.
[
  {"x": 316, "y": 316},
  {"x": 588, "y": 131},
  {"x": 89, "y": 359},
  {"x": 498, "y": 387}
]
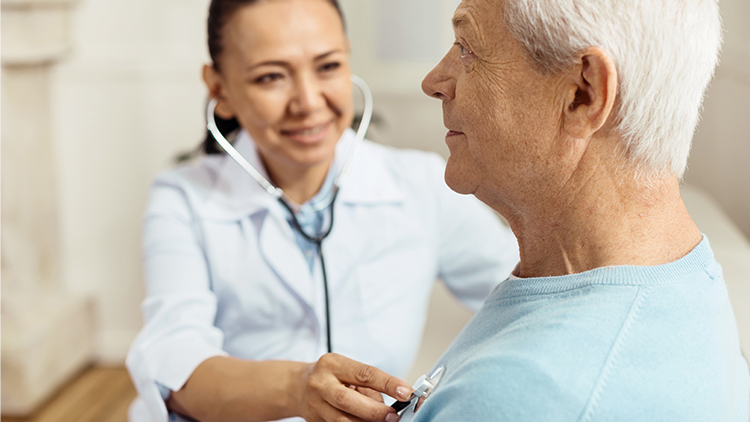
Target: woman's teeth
[{"x": 308, "y": 132}]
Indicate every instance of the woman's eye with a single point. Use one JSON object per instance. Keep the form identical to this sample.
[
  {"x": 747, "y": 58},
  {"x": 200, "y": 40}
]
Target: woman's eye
[
  {"x": 268, "y": 78},
  {"x": 329, "y": 67}
]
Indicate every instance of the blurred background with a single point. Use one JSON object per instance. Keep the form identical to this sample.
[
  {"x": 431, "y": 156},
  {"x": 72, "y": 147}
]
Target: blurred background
[{"x": 99, "y": 96}]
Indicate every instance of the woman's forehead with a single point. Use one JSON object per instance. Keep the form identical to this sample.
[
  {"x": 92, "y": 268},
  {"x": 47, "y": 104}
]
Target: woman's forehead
[{"x": 275, "y": 29}]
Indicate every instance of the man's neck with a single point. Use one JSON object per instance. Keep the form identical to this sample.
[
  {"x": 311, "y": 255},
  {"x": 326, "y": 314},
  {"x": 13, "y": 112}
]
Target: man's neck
[{"x": 605, "y": 221}]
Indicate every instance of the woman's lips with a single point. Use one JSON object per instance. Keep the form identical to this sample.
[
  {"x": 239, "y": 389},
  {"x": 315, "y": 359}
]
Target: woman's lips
[
  {"x": 453, "y": 133},
  {"x": 309, "y": 134}
]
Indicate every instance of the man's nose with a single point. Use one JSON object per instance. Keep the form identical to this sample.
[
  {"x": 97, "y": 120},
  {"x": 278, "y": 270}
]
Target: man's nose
[{"x": 439, "y": 83}]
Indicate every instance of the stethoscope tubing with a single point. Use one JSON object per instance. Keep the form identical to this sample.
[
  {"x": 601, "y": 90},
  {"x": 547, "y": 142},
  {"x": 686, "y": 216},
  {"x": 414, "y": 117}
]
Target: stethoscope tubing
[
  {"x": 232, "y": 151},
  {"x": 277, "y": 193},
  {"x": 318, "y": 241}
]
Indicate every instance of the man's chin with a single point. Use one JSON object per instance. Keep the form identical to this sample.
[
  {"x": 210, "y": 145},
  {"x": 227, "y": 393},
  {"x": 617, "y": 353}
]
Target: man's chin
[{"x": 459, "y": 181}]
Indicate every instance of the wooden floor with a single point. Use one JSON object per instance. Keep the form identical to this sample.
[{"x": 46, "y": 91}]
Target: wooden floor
[{"x": 96, "y": 395}]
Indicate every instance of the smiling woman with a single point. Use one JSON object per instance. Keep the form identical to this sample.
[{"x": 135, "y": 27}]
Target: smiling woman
[
  {"x": 237, "y": 300},
  {"x": 282, "y": 71}
]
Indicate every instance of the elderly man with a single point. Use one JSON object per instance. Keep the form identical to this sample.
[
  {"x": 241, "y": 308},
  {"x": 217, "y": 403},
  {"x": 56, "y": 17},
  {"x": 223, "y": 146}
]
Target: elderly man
[{"x": 573, "y": 119}]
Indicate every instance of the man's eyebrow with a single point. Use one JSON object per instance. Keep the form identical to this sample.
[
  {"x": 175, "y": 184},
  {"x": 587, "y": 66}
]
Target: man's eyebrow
[
  {"x": 461, "y": 19},
  {"x": 458, "y": 21}
]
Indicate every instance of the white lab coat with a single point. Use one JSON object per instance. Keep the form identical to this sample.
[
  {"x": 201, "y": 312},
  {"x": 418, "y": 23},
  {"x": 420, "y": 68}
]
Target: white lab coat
[{"x": 225, "y": 275}]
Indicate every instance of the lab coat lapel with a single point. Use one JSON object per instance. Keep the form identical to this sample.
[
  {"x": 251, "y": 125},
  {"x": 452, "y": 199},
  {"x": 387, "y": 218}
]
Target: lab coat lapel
[
  {"x": 280, "y": 250},
  {"x": 371, "y": 184},
  {"x": 371, "y": 180},
  {"x": 237, "y": 196}
]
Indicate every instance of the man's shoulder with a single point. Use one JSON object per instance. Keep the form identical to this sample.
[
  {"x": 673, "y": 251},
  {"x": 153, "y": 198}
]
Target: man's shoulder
[
  {"x": 503, "y": 387},
  {"x": 599, "y": 352},
  {"x": 526, "y": 359}
]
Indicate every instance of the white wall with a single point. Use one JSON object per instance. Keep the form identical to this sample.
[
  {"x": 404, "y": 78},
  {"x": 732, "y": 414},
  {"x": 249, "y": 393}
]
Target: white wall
[
  {"x": 721, "y": 147},
  {"x": 130, "y": 97}
]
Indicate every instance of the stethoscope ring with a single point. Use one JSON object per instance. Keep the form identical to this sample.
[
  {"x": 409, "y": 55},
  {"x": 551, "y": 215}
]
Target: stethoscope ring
[{"x": 423, "y": 387}]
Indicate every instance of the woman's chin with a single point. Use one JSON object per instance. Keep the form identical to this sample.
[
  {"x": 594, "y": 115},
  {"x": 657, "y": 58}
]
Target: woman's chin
[{"x": 312, "y": 158}]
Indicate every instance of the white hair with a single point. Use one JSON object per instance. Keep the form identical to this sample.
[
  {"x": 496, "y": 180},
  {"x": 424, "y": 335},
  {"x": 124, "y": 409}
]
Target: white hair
[{"x": 665, "y": 52}]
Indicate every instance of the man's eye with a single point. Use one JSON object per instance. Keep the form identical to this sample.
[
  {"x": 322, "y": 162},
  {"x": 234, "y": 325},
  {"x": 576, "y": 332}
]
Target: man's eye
[{"x": 463, "y": 50}]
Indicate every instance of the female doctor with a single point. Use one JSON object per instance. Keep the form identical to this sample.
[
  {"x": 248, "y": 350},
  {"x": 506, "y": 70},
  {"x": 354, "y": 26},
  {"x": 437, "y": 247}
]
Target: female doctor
[{"x": 242, "y": 313}]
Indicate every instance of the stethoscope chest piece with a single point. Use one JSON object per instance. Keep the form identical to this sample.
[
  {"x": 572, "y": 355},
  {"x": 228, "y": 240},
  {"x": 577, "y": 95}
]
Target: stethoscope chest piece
[{"x": 423, "y": 387}]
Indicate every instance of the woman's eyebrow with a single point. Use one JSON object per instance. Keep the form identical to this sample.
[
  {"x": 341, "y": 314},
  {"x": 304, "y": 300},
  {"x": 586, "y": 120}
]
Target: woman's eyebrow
[
  {"x": 268, "y": 63},
  {"x": 324, "y": 55},
  {"x": 286, "y": 64}
]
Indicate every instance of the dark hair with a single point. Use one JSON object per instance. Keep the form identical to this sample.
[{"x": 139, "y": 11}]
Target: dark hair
[{"x": 219, "y": 13}]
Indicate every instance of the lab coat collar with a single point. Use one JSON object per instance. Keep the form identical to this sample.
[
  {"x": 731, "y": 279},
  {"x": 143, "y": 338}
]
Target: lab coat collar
[{"x": 236, "y": 194}]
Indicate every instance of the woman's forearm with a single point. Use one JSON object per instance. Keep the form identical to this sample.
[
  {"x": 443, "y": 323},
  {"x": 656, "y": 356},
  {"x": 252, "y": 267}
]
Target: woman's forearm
[{"x": 228, "y": 389}]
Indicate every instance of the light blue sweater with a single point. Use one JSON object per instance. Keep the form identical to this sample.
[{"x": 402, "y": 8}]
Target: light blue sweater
[{"x": 619, "y": 343}]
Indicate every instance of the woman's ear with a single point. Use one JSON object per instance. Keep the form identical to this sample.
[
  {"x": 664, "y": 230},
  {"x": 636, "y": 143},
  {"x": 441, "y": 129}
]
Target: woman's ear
[
  {"x": 215, "y": 85},
  {"x": 591, "y": 93}
]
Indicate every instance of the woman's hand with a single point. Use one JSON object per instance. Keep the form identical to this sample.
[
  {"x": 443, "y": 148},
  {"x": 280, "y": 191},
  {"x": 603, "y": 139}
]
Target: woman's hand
[
  {"x": 333, "y": 389},
  {"x": 338, "y": 389}
]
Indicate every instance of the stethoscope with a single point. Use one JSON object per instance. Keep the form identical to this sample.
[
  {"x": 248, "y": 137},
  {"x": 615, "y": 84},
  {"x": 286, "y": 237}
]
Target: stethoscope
[
  {"x": 281, "y": 196},
  {"x": 423, "y": 387}
]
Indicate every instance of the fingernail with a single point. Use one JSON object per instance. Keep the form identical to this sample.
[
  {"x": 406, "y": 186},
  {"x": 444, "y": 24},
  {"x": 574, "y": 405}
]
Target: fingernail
[
  {"x": 403, "y": 393},
  {"x": 392, "y": 417}
]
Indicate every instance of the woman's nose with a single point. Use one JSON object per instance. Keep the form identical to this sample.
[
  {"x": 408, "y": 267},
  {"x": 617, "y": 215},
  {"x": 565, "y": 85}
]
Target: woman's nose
[
  {"x": 308, "y": 97},
  {"x": 439, "y": 83}
]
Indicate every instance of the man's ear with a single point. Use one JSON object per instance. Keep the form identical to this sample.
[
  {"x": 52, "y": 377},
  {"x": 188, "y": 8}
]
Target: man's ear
[
  {"x": 216, "y": 89},
  {"x": 591, "y": 93}
]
